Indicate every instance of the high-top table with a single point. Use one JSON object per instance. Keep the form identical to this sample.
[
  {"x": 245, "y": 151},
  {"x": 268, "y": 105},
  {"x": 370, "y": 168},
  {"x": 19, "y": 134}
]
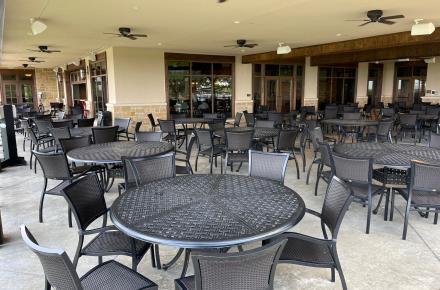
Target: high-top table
[
  {"x": 112, "y": 152},
  {"x": 207, "y": 211}
]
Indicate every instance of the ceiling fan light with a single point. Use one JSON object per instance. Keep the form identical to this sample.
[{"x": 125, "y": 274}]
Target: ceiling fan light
[
  {"x": 422, "y": 29},
  {"x": 37, "y": 26},
  {"x": 283, "y": 49}
]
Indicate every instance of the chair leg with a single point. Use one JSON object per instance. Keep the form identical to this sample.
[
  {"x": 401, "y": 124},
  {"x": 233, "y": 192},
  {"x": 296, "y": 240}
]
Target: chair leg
[
  {"x": 405, "y": 223},
  {"x": 153, "y": 260},
  {"x": 367, "y": 231},
  {"x": 297, "y": 166},
  {"x": 393, "y": 196},
  {"x": 333, "y": 274},
  {"x": 210, "y": 165},
  {"x": 197, "y": 160},
  {"x": 69, "y": 217},
  {"x": 40, "y": 211},
  {"x": 339, "y": 268},
  {"x": 436, "y": 216},
  {"x": 46, "y": 285},
  {"x": 157, "y": 256},
  {"x": 166, "y": 266},
  {"x": 308, "y": 171},
  {"x": 318, "y": 177},
  {"x": 185, "y": 263},
  {"x": 134, "y": 263}
]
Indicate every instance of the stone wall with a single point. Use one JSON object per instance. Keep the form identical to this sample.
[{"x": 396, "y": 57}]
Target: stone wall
[
  {"x": 243, "y": 105},
  {"x": 46, "y": 83},
  {"x": 310, "y": 102},
  {"x": 138, "y": 112}
]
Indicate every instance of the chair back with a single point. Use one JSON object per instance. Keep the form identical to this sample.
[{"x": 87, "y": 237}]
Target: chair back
[
  {"x": 237, "y": 119},
  {"x": 54, "y": 165},
  {"x": 356, "y": 170},
  {"x": 105, "y": 134},
  {"x": 122, "y": 123},
  {"x": 310, "y": 124},
  {"x": 408, "y": 119},
  {"x": 276, "y": 117},
  {"x": 239, "y": 141},
  {"x": 148, "y": 136},
  {"x": 168, "y": 126},
  {"x": 337, "y": 199},
  {"x": 147, "y": 169},
  {"x": 327, "y": 156},
  {"x": 286, "y": 139},
  {"x": 432, "y": 110},
  {"x": 86, "y": 122},
  {"x": 210, "y": 116},
  {"x": 85, "y": 197},
  {"x": 331, "y": 112},
  {"x": 217, "y": 126},
  {"x": 268, "y": 165},
  {"x": 352, "y": 116},
  {"x": 137, "y": 126},
  {"x": 387, "y": 113},
  {"x": 316, "y": 136},
  {"x": 425, "y": 177},
  {"x": 264, "y": 124},
  {"x": 292, "y": 119},
  {"x": 129, "y": 175},
  {"x": 100, "y": 116},
  {"x": 60, "y": 133},
  {"x": 417, "y": 112},
  {"x": 250, "y": 119},
  {"x": 204, "y": 139},
  {"x": 73, "y": 143},
  {"x": 61, "y": 115},
  {"x": 58, "y": 269},
  {"x": 434, "y": 141},
  {"x": 31, "y": 133},
  {"x": 253, "y": 269},
  {"x": 385, "y": 126},
  {"x": 43, "y": 126},
  {"x": 75, "y": 117},
  {"x": 63, "y": 123},
  {"x": 152, "y": 121}
]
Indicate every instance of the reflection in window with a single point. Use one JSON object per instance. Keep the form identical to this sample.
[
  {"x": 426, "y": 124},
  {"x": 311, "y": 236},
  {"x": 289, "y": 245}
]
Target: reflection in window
[
  {"x": 27, "y": 94},
  {"x": 336, "y": 85},
  {"x": 179, "y": 95},
  {"x": 201, "y": 95},
  {"x": 223, "y": 95}
]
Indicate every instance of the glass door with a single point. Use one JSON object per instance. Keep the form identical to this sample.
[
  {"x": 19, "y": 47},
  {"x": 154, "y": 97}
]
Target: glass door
[
  {"x": 99, "y": 93},
  {"x": 418, "y": 89},
  {"x": 271, "y": 93},
  {"x": 27, "y": 94},
  {"x": 10, "y": 91},
  {"x": 284, "y": 104},
  {"x": 223, "y": 96},
  {"x": 201, "y": 95},
  {"x": 403, "y": 91}
]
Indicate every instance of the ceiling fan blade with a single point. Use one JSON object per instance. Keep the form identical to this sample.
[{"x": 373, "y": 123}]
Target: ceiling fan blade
[
  {"x": 139, "y": 35},
  {"x": 131, "y": 37},
  {"x": 234, "y": 45},
  {"x": 392, "y": 17},
  {"x": 38, "y": 61},
  {"x": 384, "y": 21},
  {"x": 50, "y": 51},
  {"x": 357, "y": 20},
  {"x": 111, "y": 33},
  {"x": 35, "y": 50},
  {"x": 368, "y": 22},
  {"x": 250, "y": 45}
]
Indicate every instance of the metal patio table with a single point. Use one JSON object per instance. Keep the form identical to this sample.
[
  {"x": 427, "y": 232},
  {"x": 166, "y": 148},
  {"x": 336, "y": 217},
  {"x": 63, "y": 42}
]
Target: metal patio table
[
  {"x": 207, "y": 211},
  {"x": 193, "y": 121},
  {"x": 340, "y": 123},
  {"x": 111, "y": 153},
  {"x": 86, "y": 131},
  {"x": 259, "y": 133}
]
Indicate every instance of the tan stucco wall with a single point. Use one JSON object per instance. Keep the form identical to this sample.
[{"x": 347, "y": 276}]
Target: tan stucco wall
[
  {"x": 310, "y": 84},
  {"x": 46, "y": 83},
  {"x": 361, "y": 84},
  {"x": 243, "y": 86},
  {"x": 388, "y": 82}
]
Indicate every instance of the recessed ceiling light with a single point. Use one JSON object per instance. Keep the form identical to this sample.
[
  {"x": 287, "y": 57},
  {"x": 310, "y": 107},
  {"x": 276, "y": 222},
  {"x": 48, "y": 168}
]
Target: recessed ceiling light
[
  {"x": 242, "y": 50},
  {"x": 338, "y": 34},
  {"x": 159, "y": 43},
  {"x": 236, "y": 22},
  {"x": 135, "y": 7}
]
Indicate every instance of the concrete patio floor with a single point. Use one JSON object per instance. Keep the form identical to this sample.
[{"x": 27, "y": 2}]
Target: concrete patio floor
[{"x": 380, "y": 260}]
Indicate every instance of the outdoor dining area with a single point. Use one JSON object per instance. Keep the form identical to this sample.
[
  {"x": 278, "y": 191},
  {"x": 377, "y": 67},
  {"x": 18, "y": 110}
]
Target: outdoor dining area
[{"x": 213, "y": 192}]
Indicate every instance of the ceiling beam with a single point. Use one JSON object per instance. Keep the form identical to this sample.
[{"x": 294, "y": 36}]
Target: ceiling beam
[
  {"x": 399, "y": 39},
  {"x": 412, "y": 51}
]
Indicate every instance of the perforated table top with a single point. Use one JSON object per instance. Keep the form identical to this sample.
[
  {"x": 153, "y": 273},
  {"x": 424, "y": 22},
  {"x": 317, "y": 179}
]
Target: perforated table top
[
  {"x": 341, "y": 122},
  {"x": 259, "y": 132},
  {"x": 113, "y": 151},
  {"x": 393, "y": 155},
  {"x": 203, "y": 211}
]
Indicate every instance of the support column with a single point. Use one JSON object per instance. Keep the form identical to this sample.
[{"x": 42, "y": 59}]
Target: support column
[
  {"x": 310, "y": 85},
  {"x": 388, "y": 82},
  {"x": 243, "y": 86},
  {"x": 433, "y": 83},
  {"x": 361, "y": 84}
]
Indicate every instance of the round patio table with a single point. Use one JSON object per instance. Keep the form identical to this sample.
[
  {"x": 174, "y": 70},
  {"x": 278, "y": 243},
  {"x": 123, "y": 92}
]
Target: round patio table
[
  {"x": 390, "y": 155},
  {"x": 187, "y": 121},
  {"x": 259, "y": 133},
  {"x": 207, "y": 211},
  {"x": 112, "y": 152},
  {"x": 352, "y": 123},
  {"x": 81, "y": 131}
]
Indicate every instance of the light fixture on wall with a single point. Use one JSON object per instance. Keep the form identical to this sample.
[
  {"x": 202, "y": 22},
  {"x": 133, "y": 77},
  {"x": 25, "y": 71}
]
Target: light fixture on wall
[
  {"x": 283, "y": 49},
  {"x": 37, "y": 26},
  {"x": 422, "y": 28}
]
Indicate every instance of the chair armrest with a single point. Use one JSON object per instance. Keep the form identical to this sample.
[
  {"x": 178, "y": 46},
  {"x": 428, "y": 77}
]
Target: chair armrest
[
  {"x": 98, "y": 230},
  {"x": 307, "y": 238},
  {"x": 312, "y": 212}
]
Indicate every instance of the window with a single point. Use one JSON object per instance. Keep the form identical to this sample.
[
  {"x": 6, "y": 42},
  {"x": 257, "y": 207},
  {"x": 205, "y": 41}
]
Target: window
[
  {"x": 196, "y": 87},
  {"x": 336, "y": 85}
]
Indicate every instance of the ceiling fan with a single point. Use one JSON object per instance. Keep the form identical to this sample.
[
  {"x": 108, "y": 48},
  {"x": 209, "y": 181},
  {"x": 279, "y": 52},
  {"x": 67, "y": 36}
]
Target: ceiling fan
[
  {"x": 126, "y": 32},
  {"x": 376, "y": 16},
  {"x": 242, "y": 43},
  {"x": 32, "y": 59},
  {"x": 44, "y": 49}
]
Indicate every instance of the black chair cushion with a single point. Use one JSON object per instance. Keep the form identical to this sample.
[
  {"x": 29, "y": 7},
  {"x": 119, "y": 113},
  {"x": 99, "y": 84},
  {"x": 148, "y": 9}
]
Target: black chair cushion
[{"x": 304, "y": 251}]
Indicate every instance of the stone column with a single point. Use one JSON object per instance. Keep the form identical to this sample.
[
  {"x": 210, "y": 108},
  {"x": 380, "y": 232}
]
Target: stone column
[
  {"x": 46, "y": 83},
  {"x": 310, "y": 85},
  {"x": 388, "y": 82},
  {"x": 361, "y": 84},
  {"x": 243, "y": 86}
]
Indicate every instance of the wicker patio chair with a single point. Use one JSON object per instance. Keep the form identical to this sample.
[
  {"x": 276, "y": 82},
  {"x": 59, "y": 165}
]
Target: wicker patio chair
[
  {"x": 43, "y": 127},
  {"x": 170, "y": 133},
  {"x": 249, "y": 270},
  {"x": 315, "y": 252},
  {"x": 153, "y": 123},
  {"x": 383, "y": 131},
  {"x": 249, "y": 118},
  {"x": 268, "y": 165},
  {"x": 105, "y": 134},
  {"x": 60, "y": 133},
  {"x": 423, "y": 193},
  {"x": 237, "y": 119},
  {"x": 148, "y": 136},
  {"x": 277, "y": 118},
  {"x": 207, "y": 148},
  {"x": 434, "y": 141},
  {"x": 86, "y": 200},
  {"x": 123, "y": 124},
  {"x": 43, "y": 144},
  {"x": 55, "y": 167},
  {"x": 316, "y": 136},
  {"x": 61, "y": 274},
  {"x": 237, "y": 147},
  {"x": 408, "y": 123},
  {"x": 186, "y": 168},
  {"x": 326, "y": 162},
  {"x": 358, "y": 173},
  {"x": 63, "y": 123},
  {"x": 286, "y": 143},
  {"x": 86, "y": 122}
]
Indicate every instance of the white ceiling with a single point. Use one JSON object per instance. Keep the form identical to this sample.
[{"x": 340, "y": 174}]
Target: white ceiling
[{"x": 198, "y": 26}]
